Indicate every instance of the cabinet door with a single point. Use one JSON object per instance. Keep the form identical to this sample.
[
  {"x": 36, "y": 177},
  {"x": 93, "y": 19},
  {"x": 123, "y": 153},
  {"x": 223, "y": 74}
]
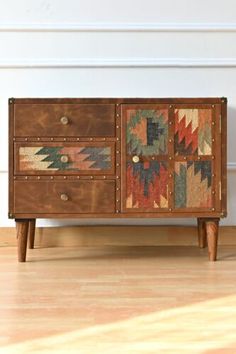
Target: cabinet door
[
  {"x": 145, "y": 163},
  {"x": 171, "y": 158},
  {"x": 197, "y": 157}
]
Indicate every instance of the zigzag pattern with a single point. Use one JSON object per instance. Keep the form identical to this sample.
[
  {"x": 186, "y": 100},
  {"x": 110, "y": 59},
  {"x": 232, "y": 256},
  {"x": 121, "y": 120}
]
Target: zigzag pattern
[
  {"x": 186, "y": 135},
  {"x": 147, "y": 185},
  {"x": 99, "y": 157},
  {"x": 192, "y": 184},
  {"x": 193, "y": 131},
  {"x": 53, "y": 156},
  {"x": 47, "y": 158},
  {"x": 204, "y": 167}
]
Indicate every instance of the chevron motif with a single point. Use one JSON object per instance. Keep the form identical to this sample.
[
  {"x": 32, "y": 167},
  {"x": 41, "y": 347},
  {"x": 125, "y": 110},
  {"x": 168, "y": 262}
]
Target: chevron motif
[
  {"x": 147, "y": 132},
  {"x": 193, "y": 131},
  {"x": 49, "y": 158},
  {"x": 147, "y": 185},
  {"x": 192, "y": 184}
]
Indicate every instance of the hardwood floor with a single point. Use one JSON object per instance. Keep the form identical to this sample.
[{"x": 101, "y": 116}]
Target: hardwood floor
[
  {"x": 80, "y": 236},
  {"x": 125, "y": 300}
]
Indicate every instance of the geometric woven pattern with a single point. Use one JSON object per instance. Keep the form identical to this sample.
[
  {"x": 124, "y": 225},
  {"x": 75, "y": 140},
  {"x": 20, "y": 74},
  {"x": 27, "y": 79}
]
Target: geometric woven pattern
[
  {"x": 147, "y": 131},
  {"x": 193, "y": 184},
  {"x": 193, "y": 134},
  {"x": 50, "y": 158},
  {"x": 147, "y": 185}
]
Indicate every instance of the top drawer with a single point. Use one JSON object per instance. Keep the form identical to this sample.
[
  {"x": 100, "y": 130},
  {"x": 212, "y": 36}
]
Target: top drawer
[{"x": 64, "y": 120}]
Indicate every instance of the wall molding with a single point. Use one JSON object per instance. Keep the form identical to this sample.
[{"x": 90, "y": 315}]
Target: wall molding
[
  {"x": 231, "y": 166},
  {"x": 53, "y": 63},
  {"x": 118, "y": 27}
]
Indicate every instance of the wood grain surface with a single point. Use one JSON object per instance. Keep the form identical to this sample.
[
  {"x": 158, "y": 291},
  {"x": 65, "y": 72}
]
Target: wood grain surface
[
  {"x": 118, "y": 299},
  {"x": 79, "y": 236}
]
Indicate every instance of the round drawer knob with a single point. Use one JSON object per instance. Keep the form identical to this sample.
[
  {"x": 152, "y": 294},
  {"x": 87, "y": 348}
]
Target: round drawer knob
[
  {"x": 135, "y": 159},
  {"x": 64, "y": 158},
  {"x": 64, "y": 120},
  {"x": 64, "y": 197}
]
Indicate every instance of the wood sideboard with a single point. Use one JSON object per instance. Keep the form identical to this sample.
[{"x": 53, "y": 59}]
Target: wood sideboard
[{"x": 117, "y": 158}]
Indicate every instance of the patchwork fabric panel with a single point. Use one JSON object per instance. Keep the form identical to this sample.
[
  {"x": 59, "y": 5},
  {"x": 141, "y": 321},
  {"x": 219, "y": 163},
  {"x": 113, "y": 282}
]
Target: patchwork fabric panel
[
  {"x": 147, "y": 132},
  {"x": 193, "y": 184},
  {"x": 57, "y": 158},
  {"x": 147, "y": 185},
  {"x": 193, "y": 134}
]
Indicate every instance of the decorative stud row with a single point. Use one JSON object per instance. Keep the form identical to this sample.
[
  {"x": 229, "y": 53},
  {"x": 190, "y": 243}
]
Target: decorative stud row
[
  {"x": 72, "y": 139},
  {"x": 118, "y": 158},
  {"x": 69, "y": 177}
]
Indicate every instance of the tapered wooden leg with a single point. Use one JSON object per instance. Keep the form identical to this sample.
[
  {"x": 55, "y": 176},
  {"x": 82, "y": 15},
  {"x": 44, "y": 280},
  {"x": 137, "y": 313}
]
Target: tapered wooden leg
[
  {"x": 212, "y": 226},
  {"x": 31, "y": 233},
  {"x": 201, "y": 233},
  {"x": 22, "y": 235}
]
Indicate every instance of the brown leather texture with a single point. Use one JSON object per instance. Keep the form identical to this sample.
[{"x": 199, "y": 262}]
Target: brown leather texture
[
  {"x": 83, "y": 120},
  {"x": 50, "y": 197}
]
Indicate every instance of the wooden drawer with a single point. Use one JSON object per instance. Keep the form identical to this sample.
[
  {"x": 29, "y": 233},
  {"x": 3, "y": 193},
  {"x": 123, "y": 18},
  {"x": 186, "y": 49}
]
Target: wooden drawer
[
  {"x": 64, "y": 197},
  {"x": 64, "y": 120},
  {"x": 64, "y": 158}
]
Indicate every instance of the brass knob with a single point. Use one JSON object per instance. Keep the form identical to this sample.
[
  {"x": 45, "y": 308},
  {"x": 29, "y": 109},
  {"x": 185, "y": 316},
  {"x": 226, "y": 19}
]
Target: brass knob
[
  {"x": 64, "y": 158},
  {"x": 135, "y": 159},
  {"x": 64, "y": 120},
  {"x": 64, "y": 197}
]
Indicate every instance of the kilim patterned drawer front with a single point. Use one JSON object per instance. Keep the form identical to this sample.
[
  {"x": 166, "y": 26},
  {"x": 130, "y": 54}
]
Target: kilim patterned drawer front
[
  {"x": 64, "y": 158},
  {"x": 118, "y": 158}
]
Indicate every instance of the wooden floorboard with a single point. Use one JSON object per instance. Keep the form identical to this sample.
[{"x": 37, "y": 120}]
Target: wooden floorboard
[{"x": 110, "y": 300}]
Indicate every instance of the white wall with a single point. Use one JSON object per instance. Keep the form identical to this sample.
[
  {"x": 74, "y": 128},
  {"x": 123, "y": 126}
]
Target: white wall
[{"x": 132, "y": 48}]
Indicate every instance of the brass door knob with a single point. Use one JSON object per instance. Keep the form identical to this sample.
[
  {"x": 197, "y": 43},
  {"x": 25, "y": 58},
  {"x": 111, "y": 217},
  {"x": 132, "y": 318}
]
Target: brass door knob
[
  {"x": 64, "y": 197},
  {"x": 64, "y": 120},
  {"x": 64, "y": 158},
  {"x": 135, "y": 159}
]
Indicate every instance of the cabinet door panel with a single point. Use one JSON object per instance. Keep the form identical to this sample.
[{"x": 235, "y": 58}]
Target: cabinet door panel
[
  {"x": 193, "y": 184},
  {"x": 171, "y": 159},
  {"x": 197, "y": 161},
  {"x": 147, "y": 130},
  {"x": 144, "y": 157},
  {"x": 147, "y": 185},
  {"x": 193, "y": 131}
]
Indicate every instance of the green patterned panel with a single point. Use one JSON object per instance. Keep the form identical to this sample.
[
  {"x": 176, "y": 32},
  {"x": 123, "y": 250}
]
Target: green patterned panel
[{"x": 147, "y": 132}]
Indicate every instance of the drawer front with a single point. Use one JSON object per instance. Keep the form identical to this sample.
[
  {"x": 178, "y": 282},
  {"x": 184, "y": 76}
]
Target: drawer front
[
  {"x": 63, "y": 197},
  {"x": 64, "y": 158},
  {"x": 64, "y": 120}
]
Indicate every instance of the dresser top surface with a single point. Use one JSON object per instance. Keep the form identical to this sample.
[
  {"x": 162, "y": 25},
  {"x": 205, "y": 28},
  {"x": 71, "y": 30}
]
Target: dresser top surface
[{"x": 162, "y": 100}]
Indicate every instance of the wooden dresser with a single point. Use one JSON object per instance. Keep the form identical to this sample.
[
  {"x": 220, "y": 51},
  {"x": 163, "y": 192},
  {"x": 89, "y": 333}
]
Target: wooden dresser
[{"x": 117, "y": 158}]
